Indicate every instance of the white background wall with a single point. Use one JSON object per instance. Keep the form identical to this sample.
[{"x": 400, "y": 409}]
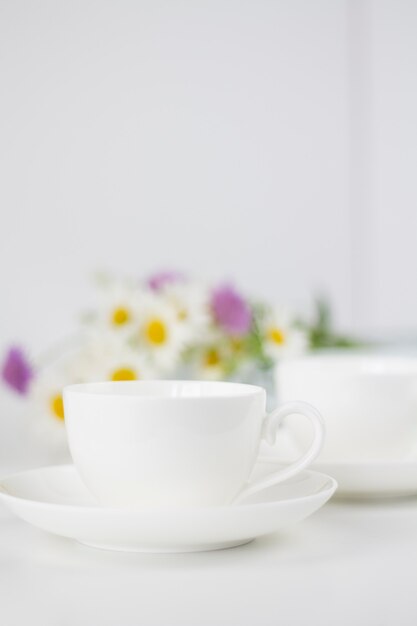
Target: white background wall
[
  {"x": 393, "y": 256},
  {"x": 272, "y": 142}
]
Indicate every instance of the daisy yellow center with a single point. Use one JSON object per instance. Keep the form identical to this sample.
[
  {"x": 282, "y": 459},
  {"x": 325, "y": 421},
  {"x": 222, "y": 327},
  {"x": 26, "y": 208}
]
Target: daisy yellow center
[
  {"x": 182, "y": 315},
  {"x": 57, "y": 406},
  {"x": 276, "y": 336},
  {"x": 156, "y": 332},
  {"x": 124, "y": 373},
  {"x": 212, "y": 358},
  {"x": 236, "y": 344},
  {"x": 120, "y": 316}
]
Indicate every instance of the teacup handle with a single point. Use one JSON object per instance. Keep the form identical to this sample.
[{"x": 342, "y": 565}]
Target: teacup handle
[{"x": 271, "y": 425}]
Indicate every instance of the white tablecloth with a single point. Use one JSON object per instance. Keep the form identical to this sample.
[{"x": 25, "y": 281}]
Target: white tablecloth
[{"x": 351, "y": 564}]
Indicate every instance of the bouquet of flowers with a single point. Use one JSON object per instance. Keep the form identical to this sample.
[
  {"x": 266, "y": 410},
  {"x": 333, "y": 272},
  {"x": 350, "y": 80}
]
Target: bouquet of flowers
[{"x": 167, "y": 326}]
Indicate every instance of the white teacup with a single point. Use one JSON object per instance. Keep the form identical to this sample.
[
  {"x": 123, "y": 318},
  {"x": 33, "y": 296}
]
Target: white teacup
[
  {"x": 369, "y": 403},
  {"x": 175, "y": 443}
]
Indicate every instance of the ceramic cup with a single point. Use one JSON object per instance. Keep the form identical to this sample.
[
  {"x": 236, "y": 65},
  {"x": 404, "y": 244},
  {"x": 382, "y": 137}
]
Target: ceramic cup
[
  {"x": 175, "y": 443},
  {"x": 369, "y": 403}
]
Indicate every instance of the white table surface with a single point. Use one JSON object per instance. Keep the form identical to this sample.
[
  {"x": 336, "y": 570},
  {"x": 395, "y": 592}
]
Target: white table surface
[{"x": 349, "y": 564}]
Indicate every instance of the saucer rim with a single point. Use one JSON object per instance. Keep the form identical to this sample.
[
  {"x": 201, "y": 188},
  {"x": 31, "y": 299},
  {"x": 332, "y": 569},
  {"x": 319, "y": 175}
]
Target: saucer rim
[
  {"x": 365, "y": 462},
  {"x": 329, "y": 489}
]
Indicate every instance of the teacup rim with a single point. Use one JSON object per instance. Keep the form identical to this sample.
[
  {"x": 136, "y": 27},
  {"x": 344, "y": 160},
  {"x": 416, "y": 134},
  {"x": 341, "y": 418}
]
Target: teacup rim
[
  {"x": 364, "y": 362},
  {"x": 95, "y": 389}
]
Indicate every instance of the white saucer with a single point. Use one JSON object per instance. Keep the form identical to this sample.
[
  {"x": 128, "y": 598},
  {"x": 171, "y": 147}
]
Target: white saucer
[
  {"x": 55, "y": 499},
  {"x": 372, "y": 479}
]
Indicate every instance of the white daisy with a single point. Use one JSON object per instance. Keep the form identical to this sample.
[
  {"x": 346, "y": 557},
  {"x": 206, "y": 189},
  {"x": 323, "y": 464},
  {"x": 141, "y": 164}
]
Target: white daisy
[
  {"x": 46, "y": 396},
  {"x": 212, "y": 355},
  {"x": 210, "y": 364},
  {"x": 281, "y": 337},
  {"x": 191, "y": 303},
  {"x": 118, "y": 308},
  {"x": 158, "y": 333},
  {"x": 109, "y": 358}
]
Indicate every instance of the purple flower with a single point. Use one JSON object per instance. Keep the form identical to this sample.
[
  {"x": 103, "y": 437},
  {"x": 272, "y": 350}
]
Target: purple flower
[
  {"x": 159, "y": 280},
  {"x": 17, "y": 371},
  {"x": 231, "y": 311}
]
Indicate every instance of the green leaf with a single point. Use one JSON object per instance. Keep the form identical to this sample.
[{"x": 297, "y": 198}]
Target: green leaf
[{"x": 321, "y": 333}]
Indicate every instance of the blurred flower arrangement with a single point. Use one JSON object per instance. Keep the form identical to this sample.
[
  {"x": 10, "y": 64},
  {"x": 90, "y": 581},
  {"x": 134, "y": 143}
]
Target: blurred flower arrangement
[{"x": 167, "y": 326}]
